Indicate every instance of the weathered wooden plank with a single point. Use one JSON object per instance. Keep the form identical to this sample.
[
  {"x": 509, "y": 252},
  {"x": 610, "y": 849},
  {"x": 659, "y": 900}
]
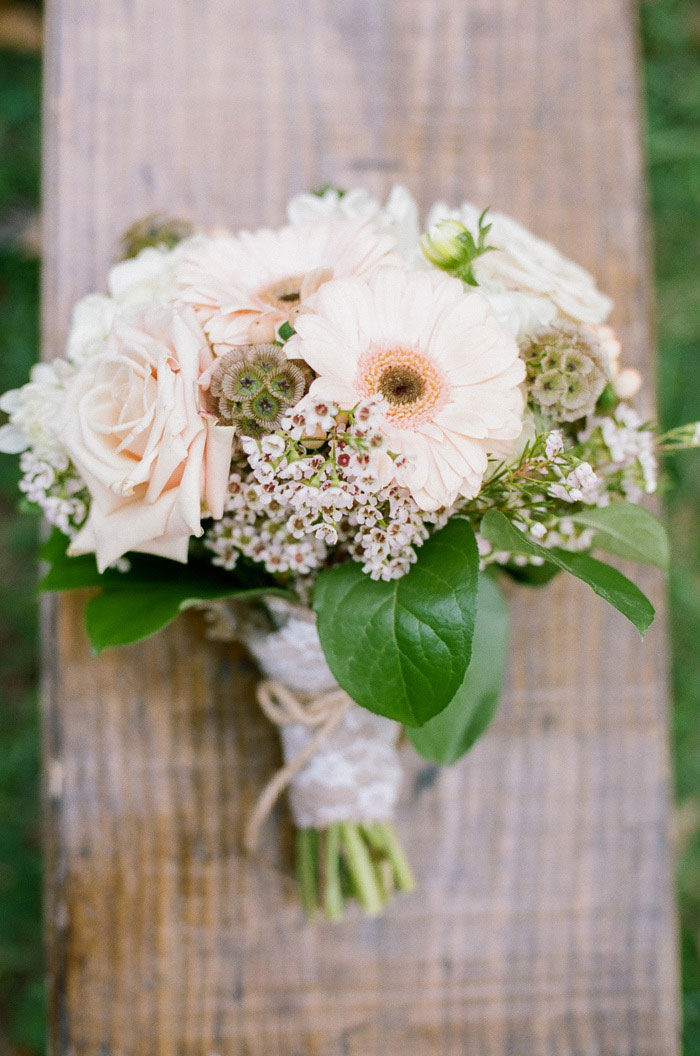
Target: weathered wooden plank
[{"x": 543, "y": 922}]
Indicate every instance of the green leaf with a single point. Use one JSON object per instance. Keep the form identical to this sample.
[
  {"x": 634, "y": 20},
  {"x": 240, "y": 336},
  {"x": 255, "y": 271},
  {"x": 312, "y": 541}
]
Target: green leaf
[
  {"x": 532, "y": 575},
  {"x": 472, "y": 250},
  {"x": 627, "y": 531},
  {"x": 452, "y": 733},
  {"x": 136, "y": 604},
  {"x": 67, "y": 573},
  {"x": 401, "y": 648},
  {"x": 605, "y": 580},
  {"x": 286, "y": 331},
  {"x": 130, "y": 612}
]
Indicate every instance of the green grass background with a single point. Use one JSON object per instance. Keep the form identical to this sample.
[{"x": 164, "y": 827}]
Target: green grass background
[{"x": 671, "y": 52}]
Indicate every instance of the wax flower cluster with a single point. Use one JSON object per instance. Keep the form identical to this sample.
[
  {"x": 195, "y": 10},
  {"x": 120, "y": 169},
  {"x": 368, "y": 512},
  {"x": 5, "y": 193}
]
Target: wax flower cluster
[{"x": 315, "y": 487}]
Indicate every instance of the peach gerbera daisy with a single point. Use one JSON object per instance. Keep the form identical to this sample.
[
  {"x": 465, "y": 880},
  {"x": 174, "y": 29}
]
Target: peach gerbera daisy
[
  {"x": 449, "y": 374},
  {"x": 245, "y": 286}
]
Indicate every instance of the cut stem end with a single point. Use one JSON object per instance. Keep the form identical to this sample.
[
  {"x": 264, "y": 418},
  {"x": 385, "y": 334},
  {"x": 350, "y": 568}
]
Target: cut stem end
[{"x": 346, "y": 860}]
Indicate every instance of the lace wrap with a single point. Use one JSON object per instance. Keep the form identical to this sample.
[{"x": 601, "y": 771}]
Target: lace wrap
[{"x": 355, "y": 775}]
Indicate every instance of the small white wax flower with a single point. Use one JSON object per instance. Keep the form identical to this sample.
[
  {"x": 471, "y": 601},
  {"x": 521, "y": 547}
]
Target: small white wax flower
[
  {"x": 583, "y": 484},
  {"x": 273, "y": 445},
  {"x": 554, "y": 444},
  {"x": 583, "y": 475},
  {"x": 322, "y": 414},
  {"x": 558, "y": 491}
]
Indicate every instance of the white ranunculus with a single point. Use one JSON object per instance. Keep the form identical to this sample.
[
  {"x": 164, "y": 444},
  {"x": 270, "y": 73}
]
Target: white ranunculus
[
  {"x": 147, "y": 278},
  {"x": 521, "y": 314},
  {"x": 33, "y": 412},
  {"x": 91, "y": 321},
  {"x": 525, "y": 263},
  {"x": 133, "y": 424},
  {"x": 398, "y": 217}
]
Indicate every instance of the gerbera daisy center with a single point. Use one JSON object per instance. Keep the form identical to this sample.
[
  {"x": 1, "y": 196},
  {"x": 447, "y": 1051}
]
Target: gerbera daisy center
[
  {"x": 412, "y": 383},
  {"x": 283, "y": 294},
  {"x": 401, "y": 385}
]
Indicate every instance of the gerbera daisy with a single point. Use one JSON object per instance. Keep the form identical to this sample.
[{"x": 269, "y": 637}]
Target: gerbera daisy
[
  {"x": 244, "y": 287},
  {"x": 449, "y": 374}
]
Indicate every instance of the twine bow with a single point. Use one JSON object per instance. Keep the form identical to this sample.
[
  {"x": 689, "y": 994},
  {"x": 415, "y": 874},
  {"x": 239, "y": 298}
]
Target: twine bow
[{"x": 324, "y": 714}]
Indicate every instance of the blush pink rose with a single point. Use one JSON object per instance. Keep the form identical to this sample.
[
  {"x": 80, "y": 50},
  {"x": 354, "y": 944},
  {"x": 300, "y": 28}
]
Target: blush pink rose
[{"x": 134, "y": 425}]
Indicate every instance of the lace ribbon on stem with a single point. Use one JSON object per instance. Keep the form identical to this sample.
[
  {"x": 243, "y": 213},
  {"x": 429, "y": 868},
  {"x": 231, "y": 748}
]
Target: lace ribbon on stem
[{"x": 323, "y": 713}]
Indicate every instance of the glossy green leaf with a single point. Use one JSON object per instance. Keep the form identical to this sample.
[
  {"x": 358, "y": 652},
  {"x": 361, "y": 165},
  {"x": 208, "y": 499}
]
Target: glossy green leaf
[
  {"x": 136, "y": 604},
  {"x": 628, "y": 531},
  {"x": 532, "y": 575},
  {"x": 605, "y": 580},
  {"x": 453, "y": 732},
  {"x": 401, "y": 648},
  {"x": 67, "y": 573},
  {"x": 124, "y": 614}
]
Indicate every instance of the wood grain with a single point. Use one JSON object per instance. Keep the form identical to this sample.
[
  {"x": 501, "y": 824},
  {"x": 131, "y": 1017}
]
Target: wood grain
[{"x": 543, "y": 924}]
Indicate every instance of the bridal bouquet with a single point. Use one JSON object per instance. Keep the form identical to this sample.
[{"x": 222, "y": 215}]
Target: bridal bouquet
[{"x": 339, "y": 436}]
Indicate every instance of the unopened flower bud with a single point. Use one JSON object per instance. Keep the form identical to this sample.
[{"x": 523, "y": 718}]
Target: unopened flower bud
[
  {"x": 627, "y": 383},
  {"x": 443, "y": 244},
  {"x": 261, "y": 331}
]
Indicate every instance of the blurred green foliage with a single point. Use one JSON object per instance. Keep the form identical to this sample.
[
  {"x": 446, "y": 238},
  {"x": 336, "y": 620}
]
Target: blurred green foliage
[
  {"x": 19, "y": 131},
  {"x": 671, "y": 42},
  {"x": 21, "y": 962}
]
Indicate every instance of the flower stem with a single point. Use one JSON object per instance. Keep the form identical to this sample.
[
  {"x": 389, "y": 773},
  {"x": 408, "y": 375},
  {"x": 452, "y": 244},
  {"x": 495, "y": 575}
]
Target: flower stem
[
  {"x": 361, "y": 868},
  {"x": 350, "y": 860},
  {"x": 306, "y": 841},
  {"x": 332, "y": 891},
  {"x": 383, "y": 839}
]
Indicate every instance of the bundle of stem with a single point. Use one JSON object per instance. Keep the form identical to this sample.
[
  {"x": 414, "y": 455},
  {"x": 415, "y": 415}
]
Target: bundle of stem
[{"x": 350, "y": 860}]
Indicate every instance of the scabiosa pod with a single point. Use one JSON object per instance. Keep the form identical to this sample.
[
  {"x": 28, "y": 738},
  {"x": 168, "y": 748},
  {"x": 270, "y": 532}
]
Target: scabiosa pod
[
  {"x": 252, "y": 387},
  {"x": 567, "y": 371},
  {"x": 158, "y": 231}
]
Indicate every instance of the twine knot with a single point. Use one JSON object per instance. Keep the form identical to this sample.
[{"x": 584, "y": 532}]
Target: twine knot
[{"x": 323, "y": 713}]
